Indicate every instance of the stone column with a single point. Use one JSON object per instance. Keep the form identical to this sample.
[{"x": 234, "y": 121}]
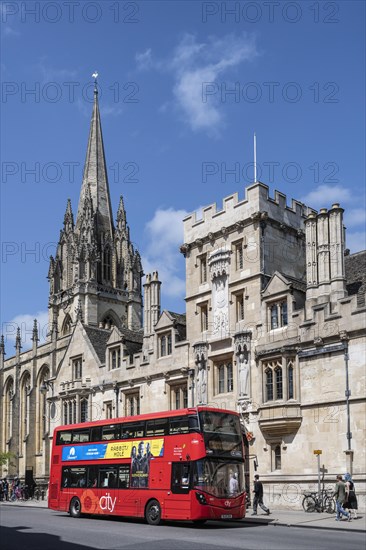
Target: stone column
[
  {"x": 147, "y": 306},
  {"x": 323, "y": 253},
  {"x": 311, "y": 257},
  {"x": 155, "y": 299},
  {"x": 336, "y": 238}
]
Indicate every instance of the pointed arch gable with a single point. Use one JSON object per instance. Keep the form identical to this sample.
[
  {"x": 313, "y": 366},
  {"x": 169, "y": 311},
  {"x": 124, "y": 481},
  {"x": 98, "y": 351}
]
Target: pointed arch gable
[{"x": 66, "y": 325}]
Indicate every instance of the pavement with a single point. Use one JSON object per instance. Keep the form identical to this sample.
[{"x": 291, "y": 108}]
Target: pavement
[{"x": 287, "y": 518}]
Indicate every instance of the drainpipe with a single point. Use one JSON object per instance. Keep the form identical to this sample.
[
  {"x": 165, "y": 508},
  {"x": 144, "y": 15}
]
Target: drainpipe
[
  {"x": 116, "y": 391},
  {"x": 347, "y": 394}
]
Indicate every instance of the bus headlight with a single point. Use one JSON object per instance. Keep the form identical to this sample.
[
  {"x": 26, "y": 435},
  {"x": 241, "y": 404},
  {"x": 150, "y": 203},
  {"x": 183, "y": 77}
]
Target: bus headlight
[{"x": 201, "y": 498}]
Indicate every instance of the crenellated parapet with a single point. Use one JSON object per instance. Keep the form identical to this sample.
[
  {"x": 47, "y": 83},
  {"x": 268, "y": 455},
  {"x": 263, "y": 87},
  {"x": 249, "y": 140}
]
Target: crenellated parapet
[{"x": 242, "y": 212}]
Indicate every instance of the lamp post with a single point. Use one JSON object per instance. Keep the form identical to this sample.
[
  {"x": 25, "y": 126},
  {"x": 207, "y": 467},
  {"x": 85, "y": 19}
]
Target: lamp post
[{"x": 45, "y": 386}]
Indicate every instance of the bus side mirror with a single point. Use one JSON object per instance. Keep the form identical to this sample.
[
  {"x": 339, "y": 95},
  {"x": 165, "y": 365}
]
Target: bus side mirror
[{"x": 255, "y": 464}]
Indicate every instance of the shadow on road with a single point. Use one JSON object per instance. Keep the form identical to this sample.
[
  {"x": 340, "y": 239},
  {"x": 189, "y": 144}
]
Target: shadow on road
[
  {"x": 210, "y": 525},
  {"x": 19, "y": 538}
]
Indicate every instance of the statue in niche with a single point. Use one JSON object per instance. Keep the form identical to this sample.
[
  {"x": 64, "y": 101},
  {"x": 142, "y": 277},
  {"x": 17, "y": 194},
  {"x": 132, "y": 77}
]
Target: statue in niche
[
  {"x": 201, "y": 381},
  {"x": 243, "y": 359},
  {"x": 221, "y": 305}
]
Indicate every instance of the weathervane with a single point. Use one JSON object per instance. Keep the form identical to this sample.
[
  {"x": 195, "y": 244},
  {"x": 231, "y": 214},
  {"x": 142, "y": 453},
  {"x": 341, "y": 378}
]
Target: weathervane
[{"x": 95, "y": 76}]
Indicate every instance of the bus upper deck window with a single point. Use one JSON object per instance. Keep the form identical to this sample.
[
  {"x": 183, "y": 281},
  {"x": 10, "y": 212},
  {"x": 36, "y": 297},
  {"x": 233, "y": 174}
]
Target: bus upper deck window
[{"x": 63, "y": 438}]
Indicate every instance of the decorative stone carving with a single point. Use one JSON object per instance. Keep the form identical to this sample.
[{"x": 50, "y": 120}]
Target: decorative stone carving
[
  {"x": 242, "y": 343},
  {"x": 200, "y": 352},
  {"x": 219, "y": 267},
  {"x": 184, "y": 249}
]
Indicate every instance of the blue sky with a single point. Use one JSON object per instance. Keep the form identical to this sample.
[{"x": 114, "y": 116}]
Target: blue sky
[{"x": 183, "y": 87}]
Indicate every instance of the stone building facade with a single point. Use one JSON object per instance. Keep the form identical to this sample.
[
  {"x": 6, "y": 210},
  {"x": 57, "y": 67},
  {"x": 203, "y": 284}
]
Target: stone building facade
[{"x": 274, "y": 327}]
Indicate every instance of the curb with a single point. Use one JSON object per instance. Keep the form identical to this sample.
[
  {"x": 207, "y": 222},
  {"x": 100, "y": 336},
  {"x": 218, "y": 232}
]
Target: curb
[
  {"x": 22, "y": 505},
  {"x": 282, "y": 523}
]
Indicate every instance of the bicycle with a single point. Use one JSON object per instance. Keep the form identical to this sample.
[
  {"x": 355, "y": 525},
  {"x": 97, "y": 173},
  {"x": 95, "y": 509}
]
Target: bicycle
[{"x": 312, "y": 503}]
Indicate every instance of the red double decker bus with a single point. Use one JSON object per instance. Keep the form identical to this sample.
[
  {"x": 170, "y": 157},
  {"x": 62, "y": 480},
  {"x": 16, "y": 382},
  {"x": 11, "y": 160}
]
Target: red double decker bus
[{"x": 186, "y": 464}]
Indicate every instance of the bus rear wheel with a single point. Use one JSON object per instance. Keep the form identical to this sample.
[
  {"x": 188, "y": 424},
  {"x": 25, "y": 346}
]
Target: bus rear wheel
[
  {"x": 75, "y": 508},
  {"x": 153, "y": 513}
]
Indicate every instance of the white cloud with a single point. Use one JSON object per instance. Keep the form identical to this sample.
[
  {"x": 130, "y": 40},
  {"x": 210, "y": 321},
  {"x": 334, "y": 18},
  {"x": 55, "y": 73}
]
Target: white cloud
[
  {"x": 144, "y": 60},
  {"x": 165, "y": 235},
  {"x": 197, "y": 68},
  {"x": 25, "y": 322},
  {"x": 326, "y": 195}
]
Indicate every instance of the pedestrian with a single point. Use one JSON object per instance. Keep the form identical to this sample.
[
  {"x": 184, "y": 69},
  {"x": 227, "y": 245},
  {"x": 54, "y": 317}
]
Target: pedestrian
[
  {"x": 6, "y": 489},
  {"x": 233, "y": 485},
  {"x": 258, "y": 496},
  {"x": 351, "y": 499},
  {"x": 340, "y": 495}
]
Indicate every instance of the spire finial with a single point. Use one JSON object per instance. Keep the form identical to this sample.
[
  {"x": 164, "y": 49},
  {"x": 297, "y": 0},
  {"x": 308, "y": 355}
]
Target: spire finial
[
  {"x": 95, "y": 76},
  {"x": 2, "y": 345},
  {"x": 35, "y": 331},
  {"x": 18, "y": 340}
]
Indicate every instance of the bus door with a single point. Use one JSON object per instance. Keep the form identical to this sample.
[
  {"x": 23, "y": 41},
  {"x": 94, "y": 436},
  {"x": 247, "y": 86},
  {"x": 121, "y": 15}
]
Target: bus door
[
  {"x": 178, "y": 505},
  {"x": 73, "y": 479}
]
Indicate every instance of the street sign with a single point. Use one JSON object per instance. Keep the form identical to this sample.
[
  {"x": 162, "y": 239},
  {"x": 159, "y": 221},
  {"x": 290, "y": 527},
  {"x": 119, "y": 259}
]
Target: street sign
[{"x": 318, "y": 452}]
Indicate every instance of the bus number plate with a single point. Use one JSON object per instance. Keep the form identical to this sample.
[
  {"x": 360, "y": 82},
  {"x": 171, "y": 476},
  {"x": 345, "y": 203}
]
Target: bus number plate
[{"x": 226, "y": 516}]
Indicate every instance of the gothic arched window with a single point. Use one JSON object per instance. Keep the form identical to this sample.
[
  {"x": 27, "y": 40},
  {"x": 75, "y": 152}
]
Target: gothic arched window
[
  {"x": 84, "y": 409},
  {"x": 24, "y": 406},
  {"x": 42, "y": 417},
  {"x": 107, "y": 264},
  {"x": 107, "y": 322},
  {"x": 66, "y": 326},
  {"x": 8, "y": 409}
]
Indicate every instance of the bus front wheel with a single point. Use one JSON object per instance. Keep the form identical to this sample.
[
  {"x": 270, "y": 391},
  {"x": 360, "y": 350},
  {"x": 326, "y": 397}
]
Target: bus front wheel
[
  {"x": 153, "y": 513},
  {"x": 75, "y": 508}
]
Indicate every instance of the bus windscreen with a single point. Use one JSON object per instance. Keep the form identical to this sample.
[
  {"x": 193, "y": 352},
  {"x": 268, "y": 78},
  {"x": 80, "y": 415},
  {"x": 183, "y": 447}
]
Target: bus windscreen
[{"x": 222, "y": 433}]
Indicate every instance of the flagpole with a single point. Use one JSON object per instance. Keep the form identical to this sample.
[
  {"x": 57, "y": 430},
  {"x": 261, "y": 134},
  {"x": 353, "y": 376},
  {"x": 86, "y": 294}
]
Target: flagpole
[{"x": 255, "y": 158}]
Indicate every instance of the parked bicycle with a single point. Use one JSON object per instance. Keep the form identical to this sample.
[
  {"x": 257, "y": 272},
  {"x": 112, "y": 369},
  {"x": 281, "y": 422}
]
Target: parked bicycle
[{"x": 312, "y": 503}]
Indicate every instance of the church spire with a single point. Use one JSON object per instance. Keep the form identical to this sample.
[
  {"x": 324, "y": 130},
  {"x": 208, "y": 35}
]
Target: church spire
[
  {"x": 121, "y": 215},
  {"x": 69, "y": 217},
  {"x": 95, "y": 177}
]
